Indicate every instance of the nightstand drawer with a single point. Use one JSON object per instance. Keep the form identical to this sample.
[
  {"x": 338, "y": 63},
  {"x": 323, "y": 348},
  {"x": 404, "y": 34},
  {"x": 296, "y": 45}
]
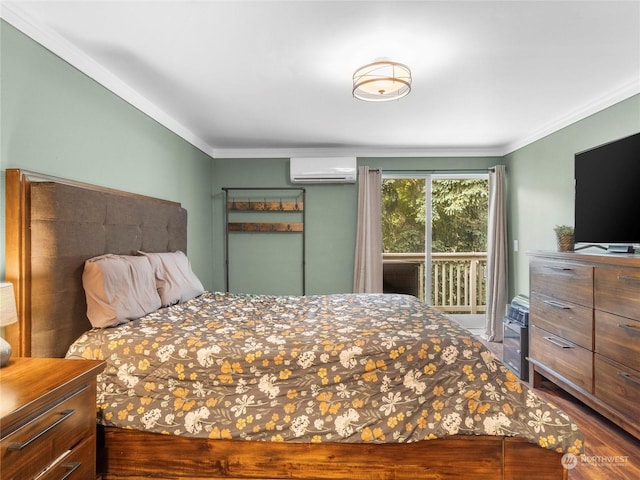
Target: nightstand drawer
[
  {"x": 563, "y": 280},
  {"x": 565, "y": 319},
  {"x": 77, "y": 464},
  {"x": 569, "y": 360},
  {"x": 49, "y": 433}
]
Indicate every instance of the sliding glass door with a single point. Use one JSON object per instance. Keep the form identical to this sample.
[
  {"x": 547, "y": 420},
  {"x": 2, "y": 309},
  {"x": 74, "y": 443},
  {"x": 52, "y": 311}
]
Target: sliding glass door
[{"x": 434, "y": 234}]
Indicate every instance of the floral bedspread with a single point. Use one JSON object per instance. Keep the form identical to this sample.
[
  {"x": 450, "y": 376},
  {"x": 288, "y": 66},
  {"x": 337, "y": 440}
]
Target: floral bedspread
[{"x": 325, "y": 368}]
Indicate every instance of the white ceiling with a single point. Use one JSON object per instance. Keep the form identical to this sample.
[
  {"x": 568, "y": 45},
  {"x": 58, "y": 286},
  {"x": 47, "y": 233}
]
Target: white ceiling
[{"x": 273, "y": 78}]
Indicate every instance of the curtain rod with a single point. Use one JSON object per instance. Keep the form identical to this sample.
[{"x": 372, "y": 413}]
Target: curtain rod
[
  {"x": 409, "y": 171},
  {"x": 226, "y": 189}
]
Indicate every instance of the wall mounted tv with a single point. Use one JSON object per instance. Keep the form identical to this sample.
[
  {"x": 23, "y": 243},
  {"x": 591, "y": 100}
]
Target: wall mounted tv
[{"x": 607, "y": 195}]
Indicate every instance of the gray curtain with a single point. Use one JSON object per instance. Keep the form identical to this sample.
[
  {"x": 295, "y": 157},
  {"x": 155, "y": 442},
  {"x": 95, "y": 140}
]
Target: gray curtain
[
  {"x": 367, "y": 274},
  {"x": 496, "y": 256}
]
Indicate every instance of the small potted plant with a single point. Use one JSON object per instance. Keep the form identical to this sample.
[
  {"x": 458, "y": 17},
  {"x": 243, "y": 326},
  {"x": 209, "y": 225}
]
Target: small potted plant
[{"x": 565, "y": 238}]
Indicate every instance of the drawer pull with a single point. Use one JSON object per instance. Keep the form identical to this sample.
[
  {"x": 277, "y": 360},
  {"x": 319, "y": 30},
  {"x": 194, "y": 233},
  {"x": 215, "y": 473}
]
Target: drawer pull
[
  {"x": 557, "y": 342},
  {"x": 555, "y": 304},
  {"x": 631, "y": 328},
  {"x": 628, "y": 278},
  {"x": 71, "y": 467},
  {"x": 561, "y": 269},
  {"x": 21, "y": 445},
  {"x": 628, "y": 377}
]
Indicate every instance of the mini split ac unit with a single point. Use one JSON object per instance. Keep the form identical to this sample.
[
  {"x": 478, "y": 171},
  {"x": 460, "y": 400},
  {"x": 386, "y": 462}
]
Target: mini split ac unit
[{"x": 323, "y": 170}]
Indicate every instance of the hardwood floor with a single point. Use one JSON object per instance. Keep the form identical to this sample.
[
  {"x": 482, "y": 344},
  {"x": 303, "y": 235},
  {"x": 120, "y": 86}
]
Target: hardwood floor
[{"x": 610, "y": 452}]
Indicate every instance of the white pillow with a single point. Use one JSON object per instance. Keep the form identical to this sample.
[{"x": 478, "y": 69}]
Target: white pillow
[
  {"x": 119, "y": 288},
  {"x": 175, "y": 280}
]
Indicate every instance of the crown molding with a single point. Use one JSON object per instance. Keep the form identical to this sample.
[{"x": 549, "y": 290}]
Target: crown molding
[
  {"x": 14, "y": 15},
  {"x": 363, "y": 152},
  {"x": 627, "y": 90}
]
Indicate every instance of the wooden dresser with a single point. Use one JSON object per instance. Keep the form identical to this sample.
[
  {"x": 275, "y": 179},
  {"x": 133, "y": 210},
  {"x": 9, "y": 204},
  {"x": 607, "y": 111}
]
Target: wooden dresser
[
  {"x": 585, "y": 330},
  {"x": 48, "y": 418}
]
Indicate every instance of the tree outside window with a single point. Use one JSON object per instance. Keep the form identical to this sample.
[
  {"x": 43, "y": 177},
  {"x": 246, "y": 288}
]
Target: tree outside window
[{"x": 459, "y": 214}]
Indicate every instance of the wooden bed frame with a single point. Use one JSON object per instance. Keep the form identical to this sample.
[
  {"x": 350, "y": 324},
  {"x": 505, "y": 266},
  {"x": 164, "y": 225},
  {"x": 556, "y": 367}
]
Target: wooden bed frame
[{"x": 51, "y": 300}]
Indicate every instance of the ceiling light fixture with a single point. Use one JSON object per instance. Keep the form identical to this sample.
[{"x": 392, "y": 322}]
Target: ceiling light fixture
[{"x": 381, "y": 81}]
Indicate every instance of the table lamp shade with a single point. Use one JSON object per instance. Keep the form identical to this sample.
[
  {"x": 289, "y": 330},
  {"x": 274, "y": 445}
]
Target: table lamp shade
[{"x": 8, "y": 315}]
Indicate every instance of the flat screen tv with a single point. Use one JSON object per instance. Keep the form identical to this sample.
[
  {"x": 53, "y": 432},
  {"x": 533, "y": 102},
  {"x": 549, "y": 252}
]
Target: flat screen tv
[{"x": 607, "y": 195}]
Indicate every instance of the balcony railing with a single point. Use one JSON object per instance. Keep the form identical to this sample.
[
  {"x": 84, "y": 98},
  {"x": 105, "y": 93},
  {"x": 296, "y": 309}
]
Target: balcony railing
[{"x": 458, "y": 280}]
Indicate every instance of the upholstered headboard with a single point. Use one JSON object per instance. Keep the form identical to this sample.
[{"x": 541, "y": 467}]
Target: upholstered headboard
[{"x": 52, "y": 226}]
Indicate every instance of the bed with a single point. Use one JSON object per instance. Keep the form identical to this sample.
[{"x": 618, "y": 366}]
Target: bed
[{"x": 273, "y": 397}]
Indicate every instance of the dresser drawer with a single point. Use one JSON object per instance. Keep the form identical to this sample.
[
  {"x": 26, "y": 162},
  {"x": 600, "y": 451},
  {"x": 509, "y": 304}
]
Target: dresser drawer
[
  {"x": 58, "y": 428},
  {"x": 618, "y": 338},
  {"x": 77, "y": 464},
  {"x": 619, "y": 387},
  {"x": 563, "y": 280},
  {"x": 567, "y": 359},
  {"x": 617, "y": 290},
  {"x": 565, "y": 319}
]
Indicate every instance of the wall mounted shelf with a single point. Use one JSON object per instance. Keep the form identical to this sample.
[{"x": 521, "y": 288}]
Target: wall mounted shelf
[
  {"x": 265, "y": 227},
  {"x": 265, "y": 205},
  {"x": 273, "y": 203}
]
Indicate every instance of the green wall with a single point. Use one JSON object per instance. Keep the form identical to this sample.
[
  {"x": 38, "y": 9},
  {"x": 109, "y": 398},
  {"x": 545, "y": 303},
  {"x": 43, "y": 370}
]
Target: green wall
[
  {"x": 330, "y": 222},
  {"x": 541, "y": 185},
  {"x": 57, "y": 121},
  {"x": 330, "y": 218}
]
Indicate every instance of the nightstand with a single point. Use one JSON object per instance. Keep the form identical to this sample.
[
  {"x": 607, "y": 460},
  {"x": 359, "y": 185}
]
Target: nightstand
[{"x": 48, "y": 418}]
